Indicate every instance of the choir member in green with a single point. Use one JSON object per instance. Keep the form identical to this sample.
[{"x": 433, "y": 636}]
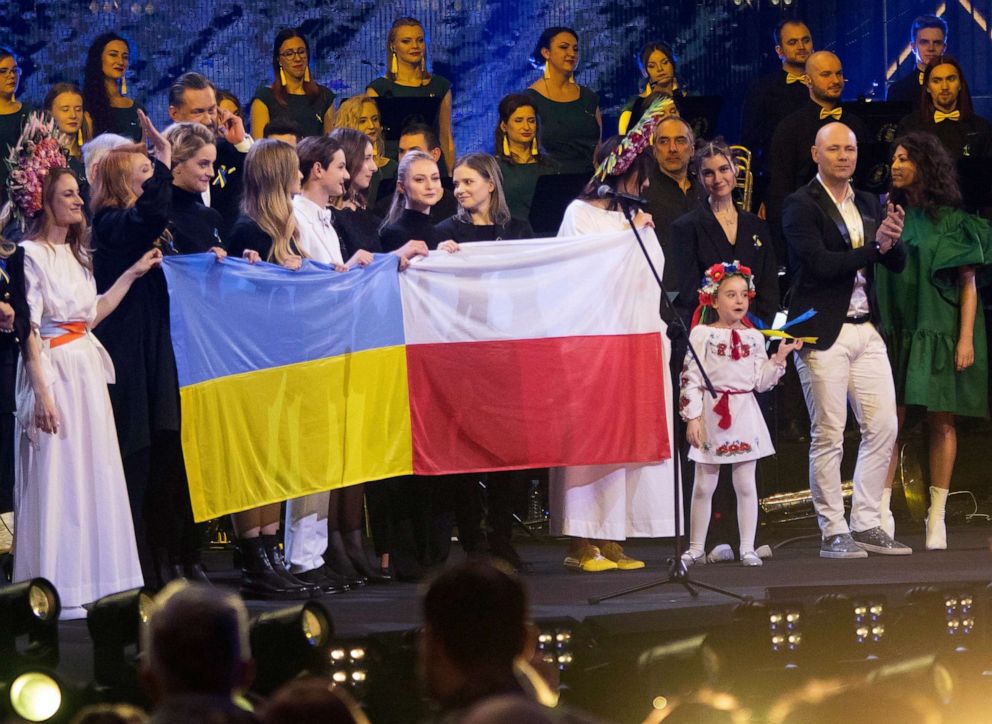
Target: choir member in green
[
  {"x": 569, "y": 113},
  {"x": 931, "y": 318},
  {"x": 105, "y": 89},
  {"x": 13, "y": 112},
  {"x": 656, "y": 61},
  {"x": 518, "y": 150},
  {"x": 293, "y": 93},
  {"x": 407, "y": 76},
  {"x": 64, "y": 101}
]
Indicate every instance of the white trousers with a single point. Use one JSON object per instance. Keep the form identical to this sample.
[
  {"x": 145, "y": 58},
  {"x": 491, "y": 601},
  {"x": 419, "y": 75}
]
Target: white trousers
[
  {"x": 306, "y": 532},
  {"x": 855, "y": 370}
]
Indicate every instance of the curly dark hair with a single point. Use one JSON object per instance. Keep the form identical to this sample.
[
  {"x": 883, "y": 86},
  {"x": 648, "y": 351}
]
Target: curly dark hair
[
  {"x": 936, "y": 180},
  {"x": 95, "y": 98}
]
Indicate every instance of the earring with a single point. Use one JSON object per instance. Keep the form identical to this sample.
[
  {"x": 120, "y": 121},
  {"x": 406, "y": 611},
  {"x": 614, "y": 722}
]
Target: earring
[
  {"x": 547, "y": 71},
  {"x": 571, "y": 78},
  {"x": 79, "y": 137},
  {"x": 123, "y": 86},
  {"x": 675, "y": 84},
  {"x": 533, "y": 147},
  {"x": 306, "y": 76},
  {"x": 423, "y": 64},
  {"x": 647, "y": 88},
  {"x": 393, "y": 65},
  {"x": 282, "y": 76},
  {"x": 506, "y": 147}
]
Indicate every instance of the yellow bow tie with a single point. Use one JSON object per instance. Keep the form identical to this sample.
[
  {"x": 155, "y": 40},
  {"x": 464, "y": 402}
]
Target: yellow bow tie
[
  {"x": 919, "y": 78},
  {"x": 939, "y": 117},
  {"x": 793, "y": 78},
  {"x": 835, "y": 113}
]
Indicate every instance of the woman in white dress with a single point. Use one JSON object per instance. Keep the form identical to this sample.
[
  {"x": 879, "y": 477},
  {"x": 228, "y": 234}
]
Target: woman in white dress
[
  {"x": 72, "y": 521},
  {"x": 600, "y": 505}
]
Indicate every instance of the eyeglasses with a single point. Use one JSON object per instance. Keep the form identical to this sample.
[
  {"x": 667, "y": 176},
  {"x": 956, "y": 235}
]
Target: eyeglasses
[
  {"x": 299, "y": 53},
  {"x": 4, "y": 72}
]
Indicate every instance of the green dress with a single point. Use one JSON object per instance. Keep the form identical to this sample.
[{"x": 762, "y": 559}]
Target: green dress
[
  {"x": 569, "y": 129},
  {"x": 307, "y": 113},
  {"x": 519, "y": 182},
  {"x": 920, "y": 312}
]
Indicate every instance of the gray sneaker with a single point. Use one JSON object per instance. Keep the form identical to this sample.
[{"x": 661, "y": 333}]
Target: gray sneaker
[
  {"x": 877, "y": 540},
  {"x": 841, "y": 545}
]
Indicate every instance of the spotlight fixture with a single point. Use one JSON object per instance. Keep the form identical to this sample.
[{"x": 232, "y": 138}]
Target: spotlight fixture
[
  {"x": 115, "y": 623},
  {"x": 289, "y": 642},
  {"x": 554, "y": 642},
  {"x": 934, "y": 619},
  {"x": 34, "y": 696},
  {"x": 350, "y": 662},
  {"x": 29, "y": 609}
]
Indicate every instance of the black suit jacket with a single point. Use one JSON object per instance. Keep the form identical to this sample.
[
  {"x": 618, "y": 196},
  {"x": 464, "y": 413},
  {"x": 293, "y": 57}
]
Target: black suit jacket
[
  {"x": 824, "y": 263},
  {"x": 225, "y": 189},
  {"x": 699, "y": 242},
  {"x": 907, "y": 89}
]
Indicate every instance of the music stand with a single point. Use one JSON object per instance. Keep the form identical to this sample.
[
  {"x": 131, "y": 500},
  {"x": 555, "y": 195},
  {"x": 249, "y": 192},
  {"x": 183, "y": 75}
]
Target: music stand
[{"x": 552, "y": 195}]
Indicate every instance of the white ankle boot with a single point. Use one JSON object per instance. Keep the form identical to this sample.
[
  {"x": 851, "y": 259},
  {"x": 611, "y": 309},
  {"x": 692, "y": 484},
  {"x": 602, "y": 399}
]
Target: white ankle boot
[
  {"x": 936, "y": 530},
  {"x": 888, "y": 522}
]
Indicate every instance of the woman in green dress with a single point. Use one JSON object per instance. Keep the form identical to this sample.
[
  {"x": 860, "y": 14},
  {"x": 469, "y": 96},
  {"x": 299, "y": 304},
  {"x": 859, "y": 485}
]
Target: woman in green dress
[
  {"x": 930, "y": 318},
  {"x": 293, "y": 95},
  {"x": 407, "y": 76},
  {"x": 105, "y": 92},
  {"x": 656, "y": 61},
  {"x": 518, "y": 151},
  {"x": 569, "y": 112},
  {"x": 64, "y": 102},
  {"x": 13, "y": 113}
]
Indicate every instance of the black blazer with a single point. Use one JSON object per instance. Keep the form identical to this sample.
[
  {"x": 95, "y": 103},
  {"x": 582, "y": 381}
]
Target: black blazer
[
  {"x": 698, "y": 243},
  {"x": 825, "y": 265}
]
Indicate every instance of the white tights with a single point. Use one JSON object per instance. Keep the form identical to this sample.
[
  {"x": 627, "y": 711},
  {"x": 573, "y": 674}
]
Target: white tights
[{"x": 704, "y": 486}]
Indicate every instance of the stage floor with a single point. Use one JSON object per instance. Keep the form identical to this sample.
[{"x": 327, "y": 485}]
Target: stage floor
[{"x": 796, "y": 572}]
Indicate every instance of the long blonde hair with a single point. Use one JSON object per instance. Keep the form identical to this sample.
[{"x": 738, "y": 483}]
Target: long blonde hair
[
  {"x": 350, "y": 112},
  {"x": 402, "y": 175},
  {"x": 271, "y": 167}
]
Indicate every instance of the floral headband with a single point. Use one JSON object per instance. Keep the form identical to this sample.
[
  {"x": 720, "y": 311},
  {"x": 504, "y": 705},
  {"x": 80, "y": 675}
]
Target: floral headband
[
  {"x": 40, "y": 148},
  {"x": 717, "y": 273},
  {"x": 637, "y": 140}
]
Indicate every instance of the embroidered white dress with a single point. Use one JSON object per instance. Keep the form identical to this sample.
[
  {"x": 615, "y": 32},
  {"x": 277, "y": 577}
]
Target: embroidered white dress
[
  {"x": 72, "y": 519},
  {"x": 615, "y": 502},
  {"x": 745, "y": 435}
]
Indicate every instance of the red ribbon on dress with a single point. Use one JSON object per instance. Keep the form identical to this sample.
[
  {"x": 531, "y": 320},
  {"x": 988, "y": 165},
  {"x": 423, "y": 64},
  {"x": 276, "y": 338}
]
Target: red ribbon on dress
[
  {"x": 735, "y": 345},
  {"x": 722, "y": 407}
]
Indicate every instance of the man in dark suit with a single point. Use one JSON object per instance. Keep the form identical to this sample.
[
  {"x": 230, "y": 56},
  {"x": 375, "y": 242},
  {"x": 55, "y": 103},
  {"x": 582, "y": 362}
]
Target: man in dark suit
[
  {"x": 773, "y": 96},
  {"x": 790, "y": 162},
  {"x": 928, "y": 40},
  {"x": 193, "y": 98},
  {"x": 835, "y": 237}
]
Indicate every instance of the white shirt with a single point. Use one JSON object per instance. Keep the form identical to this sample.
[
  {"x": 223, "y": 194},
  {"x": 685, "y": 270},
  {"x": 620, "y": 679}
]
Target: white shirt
[
  {"x": 858, "y": 306},
  {"x": 318, "y": 239}
]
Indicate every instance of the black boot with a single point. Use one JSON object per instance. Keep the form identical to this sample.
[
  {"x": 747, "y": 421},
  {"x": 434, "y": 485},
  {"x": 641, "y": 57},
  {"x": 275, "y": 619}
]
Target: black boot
[
  {"x": 336, "y": 558},
  {"x": 354, "y": 547},
  {"x": 258, "y": 579},
  {"x": 165, "y": 569},
  {"x": 270, "y": 543},
  {"x": 194, "y": 572}
]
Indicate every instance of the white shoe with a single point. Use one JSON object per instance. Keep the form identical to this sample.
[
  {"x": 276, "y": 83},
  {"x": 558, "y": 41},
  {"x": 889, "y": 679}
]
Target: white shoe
[
  {"x": 936, "y": 530},
  {"x": 763, "y": 552},
  {"x": 720, "y": 554},
  {"x": 750, "y": 559},
  {"x": 689, "y": 560}
]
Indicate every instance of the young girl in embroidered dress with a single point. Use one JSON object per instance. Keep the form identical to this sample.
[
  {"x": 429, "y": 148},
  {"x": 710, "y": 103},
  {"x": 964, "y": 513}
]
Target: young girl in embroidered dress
[{"x": 731, "y": 429}]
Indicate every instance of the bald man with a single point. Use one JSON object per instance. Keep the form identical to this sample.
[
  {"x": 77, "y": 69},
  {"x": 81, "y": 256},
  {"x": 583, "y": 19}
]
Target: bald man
[
  {"x": 790, "y": 164},
  {"x": 836, "y": 235}
]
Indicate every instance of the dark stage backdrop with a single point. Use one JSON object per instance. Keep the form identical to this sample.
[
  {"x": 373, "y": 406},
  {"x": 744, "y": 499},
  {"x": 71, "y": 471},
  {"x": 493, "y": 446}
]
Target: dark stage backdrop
[{"x": 481, "y": 45}]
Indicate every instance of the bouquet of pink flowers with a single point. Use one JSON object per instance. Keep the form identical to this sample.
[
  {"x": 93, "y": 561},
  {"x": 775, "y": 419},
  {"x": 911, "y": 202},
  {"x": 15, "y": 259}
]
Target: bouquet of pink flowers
[{"x": 40, "y": 147}]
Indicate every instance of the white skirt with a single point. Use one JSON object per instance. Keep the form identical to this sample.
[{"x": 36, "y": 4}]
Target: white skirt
[{"x": 72, "y": 518}]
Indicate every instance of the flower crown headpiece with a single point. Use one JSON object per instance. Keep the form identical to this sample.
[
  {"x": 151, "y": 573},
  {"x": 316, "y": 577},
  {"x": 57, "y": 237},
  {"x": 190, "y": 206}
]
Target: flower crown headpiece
[
  {"x": 717, "y": 273},
  {"x": 637, "y": 140},
  {"x": 41, "y": 147}
]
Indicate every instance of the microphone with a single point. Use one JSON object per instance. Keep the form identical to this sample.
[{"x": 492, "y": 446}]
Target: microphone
[{"x": 605, "y": 192}]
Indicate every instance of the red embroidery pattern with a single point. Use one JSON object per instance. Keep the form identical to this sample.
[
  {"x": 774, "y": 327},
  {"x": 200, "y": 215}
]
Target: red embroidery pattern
[{"x": 734, "y": 448}]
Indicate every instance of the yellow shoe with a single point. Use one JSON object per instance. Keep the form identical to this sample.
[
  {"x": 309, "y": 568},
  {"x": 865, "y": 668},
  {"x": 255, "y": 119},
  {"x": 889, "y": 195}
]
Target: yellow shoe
[
  {"x": 589, "y": 560},
  {"x": 614, "y": 552}
]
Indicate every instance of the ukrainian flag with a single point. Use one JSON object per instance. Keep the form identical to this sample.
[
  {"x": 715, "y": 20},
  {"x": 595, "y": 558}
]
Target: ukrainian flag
[{"x": 291, "y": 382}]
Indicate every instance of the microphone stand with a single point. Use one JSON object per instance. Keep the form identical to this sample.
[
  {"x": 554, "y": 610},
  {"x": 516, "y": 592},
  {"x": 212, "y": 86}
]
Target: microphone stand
[{"x": 678, "y": 573}]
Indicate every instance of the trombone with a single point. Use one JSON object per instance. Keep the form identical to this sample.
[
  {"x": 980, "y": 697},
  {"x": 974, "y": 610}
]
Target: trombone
[{"x": 745, "y": 179}]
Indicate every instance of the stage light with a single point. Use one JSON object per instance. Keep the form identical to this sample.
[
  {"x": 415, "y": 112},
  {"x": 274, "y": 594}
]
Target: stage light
[
  {"x": 785, "y": 629},
  {"x": 115, "y": 624},
  {"x": 35, "y": 696},
  {"x": 29, "y": 609},
  {"x": 554, "y": 642},
  {"x": 349, "y": 662},
  {"x": 289, "y": 642}
]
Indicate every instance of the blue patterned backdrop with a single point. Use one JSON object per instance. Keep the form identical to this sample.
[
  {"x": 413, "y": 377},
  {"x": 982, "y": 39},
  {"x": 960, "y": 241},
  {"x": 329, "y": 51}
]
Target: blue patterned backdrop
[{"x": 480, "y": 45}]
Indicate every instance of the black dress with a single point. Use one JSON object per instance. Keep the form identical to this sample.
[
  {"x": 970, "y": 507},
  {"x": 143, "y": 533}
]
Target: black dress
[
  {"x": 307, "y": 113},
  {"x": 357, "y": 229},
  {"x": 195, "y": 227},
  {"x": 145, "y": 397},
  {"x": 412, "y": 225},
  {"x": 11, "y": 125},
  {"x": 225, "y": 188},
  {"x": 11, "y": 292},
  {"x": 461, "y": 231}
]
